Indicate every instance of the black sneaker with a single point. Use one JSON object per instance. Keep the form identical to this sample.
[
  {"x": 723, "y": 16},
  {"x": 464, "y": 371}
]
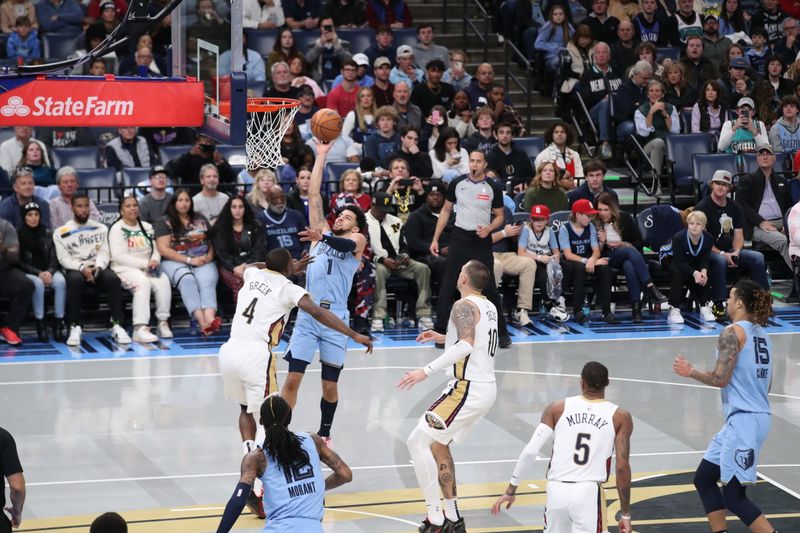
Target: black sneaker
[
  {"x": 427, "y": 527},
  {"x": 581, "y": 317},
  {"x": 610, "y": 318},
  {"x": 505, "y": 341},
  {"x": 455, "y": 527}
]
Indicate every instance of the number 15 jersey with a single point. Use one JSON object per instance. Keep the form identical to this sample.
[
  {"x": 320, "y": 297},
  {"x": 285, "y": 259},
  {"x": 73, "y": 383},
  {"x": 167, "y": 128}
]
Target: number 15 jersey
[
  {"x": 263, "y": 303},
  {"x": 583, "y": 441}
]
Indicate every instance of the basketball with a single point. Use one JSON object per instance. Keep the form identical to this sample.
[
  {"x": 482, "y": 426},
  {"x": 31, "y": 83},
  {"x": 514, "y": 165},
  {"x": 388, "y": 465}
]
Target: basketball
[{"x": 326, "y": 125}]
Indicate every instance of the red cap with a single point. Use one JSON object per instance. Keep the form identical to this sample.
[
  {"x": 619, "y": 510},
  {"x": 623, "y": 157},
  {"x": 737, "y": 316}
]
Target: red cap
[
  {"x": 584, "y": 206},
  {"x": 540, "y": 211}
]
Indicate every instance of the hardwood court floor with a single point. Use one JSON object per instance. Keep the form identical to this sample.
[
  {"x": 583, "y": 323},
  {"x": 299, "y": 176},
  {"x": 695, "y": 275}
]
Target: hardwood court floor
[{"x": 154, "y": 438}]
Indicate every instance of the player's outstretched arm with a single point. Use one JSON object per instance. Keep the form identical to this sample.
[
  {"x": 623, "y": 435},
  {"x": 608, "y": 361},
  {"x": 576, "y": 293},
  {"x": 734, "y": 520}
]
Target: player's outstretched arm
[
  {"x": 540, "y": 436},
  {"x": 465, "y": 315},
  {"x": 316, "y": 212},
  {"x": 253, "y": 464},
  {"x": 623, "y": 425},
  {"x": 326, "y": 318},
  {"x": 729, "y": 344},
  {"x": 441, "y": 223},
  {"x": 341, "y": 472},
  {"x": 430, "y": 335}
]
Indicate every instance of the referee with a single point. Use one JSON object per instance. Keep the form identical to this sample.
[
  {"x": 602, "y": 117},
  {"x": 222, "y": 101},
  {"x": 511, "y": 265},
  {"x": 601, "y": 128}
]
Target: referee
[
  {"x": 480, "y": 211},
  {"x": 11, "y": 469}
]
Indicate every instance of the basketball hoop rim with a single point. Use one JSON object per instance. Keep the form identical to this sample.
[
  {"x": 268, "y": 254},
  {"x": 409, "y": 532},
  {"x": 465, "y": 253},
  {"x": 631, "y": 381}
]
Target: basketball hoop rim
[{"x": 269, "y": 105}]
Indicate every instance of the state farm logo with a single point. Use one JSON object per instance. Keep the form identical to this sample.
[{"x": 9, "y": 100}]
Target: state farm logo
[
  {"x": 15, "y": 106},
  {"x": 91, "y": 106}
]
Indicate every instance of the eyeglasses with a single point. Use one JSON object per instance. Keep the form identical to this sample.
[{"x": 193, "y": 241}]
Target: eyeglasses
[{"x": 765, "y": 154}]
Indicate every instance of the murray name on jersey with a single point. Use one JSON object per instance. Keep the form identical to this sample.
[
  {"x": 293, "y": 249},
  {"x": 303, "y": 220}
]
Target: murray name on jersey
[{"x": 586, "y": 418}]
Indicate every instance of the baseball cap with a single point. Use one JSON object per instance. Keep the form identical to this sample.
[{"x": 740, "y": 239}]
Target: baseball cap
[
  {"x": 436, "y": 186},
  {"x": 722, "y": 176},
  {"x": 540, "y": 211},
  {"x": 305, "y": 89},
  {"x": 710, "y": 16},
  {"x": 746, "y": 101},
  {"x": 382, "y": 202},
  {"x": 159, "y": 169},
  {"x": 739, "y": 62},
  {"x": 404, "y": 51},
  {"x": 765, "y": 146},
  {"x": 381, "y": 61},
  {"x": 361, "y": 60},
  {"x": 584, "y": 207},
  {"x": 106, "y": 5}
]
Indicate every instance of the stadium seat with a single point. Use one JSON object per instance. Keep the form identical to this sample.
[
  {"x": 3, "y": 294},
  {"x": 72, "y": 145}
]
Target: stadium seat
[
  {"x": 6, "y": 133},
  {"x": 261, "y": 41},
  {"x": 79, "y": 157},
  {"x": 558, "y": 218},
  {"x": 704, "y": 166},
  {"x": 168, "y": 152},
  {"x": 109, "y": 212},
  {"x": 667, "y": 53},
  {"x": 751, "y": 165},
  {"x": 663, "y": 215},
  {"x": 686, "y": 121},
  {"x": 680, "y": 149},
  {"x": 335, "y": 171},
  {"x": 531, "y": 145},
  {"x": 58, "y": 45},
  {"x": 519, "y": 199},
  {"x": 99, "y": 177},
  {"x": 359, "y": 39},
  {"x": 406, "y": 36},
  {"x": 304, "y": 39},
  {"x": 133, "y": 175}
]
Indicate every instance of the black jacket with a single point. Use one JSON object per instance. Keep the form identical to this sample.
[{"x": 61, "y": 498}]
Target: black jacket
[
  {"x": 629, "y": 231},
  {"x": 252, "y": 246},
  {"x": 750, "y": 193},
  {"x": 418, "y": 232},
  {"x": 37, "y": 252},
  {"x": 419, "y": 165},
  {"x": 595, "y": 85},
  {"x": 697, "y": 74},
  {"x": 683, "y": 260},
  {"x": 603, "y": 31},
  {"x": 186, "y": 169},
  {"x": 628, "y": 99},
  {"x": 515, "y": 166}
]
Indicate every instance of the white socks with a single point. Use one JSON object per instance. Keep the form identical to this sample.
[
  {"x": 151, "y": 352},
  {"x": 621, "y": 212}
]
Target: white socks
[{"x": 451, "y": 509}]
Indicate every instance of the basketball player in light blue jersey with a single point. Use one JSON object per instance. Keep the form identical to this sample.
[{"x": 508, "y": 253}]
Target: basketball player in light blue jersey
[
  {"x": 744, "y": 373},
  {"x": 290, "y": 467},
  {"x": 336, "y": 256}
]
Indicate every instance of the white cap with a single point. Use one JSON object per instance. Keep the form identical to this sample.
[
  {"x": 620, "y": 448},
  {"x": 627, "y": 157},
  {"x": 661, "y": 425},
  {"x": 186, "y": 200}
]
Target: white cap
[{"x": 361, "y": 60}]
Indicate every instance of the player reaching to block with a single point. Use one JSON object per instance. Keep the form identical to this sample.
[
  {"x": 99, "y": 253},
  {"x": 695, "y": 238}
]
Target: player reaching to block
[
  {"x": 336, "y": 256},
  {"x": 586, "y": 429},
  {"x": 470, "y": 344},
  {"x": 744, "y": 373}
]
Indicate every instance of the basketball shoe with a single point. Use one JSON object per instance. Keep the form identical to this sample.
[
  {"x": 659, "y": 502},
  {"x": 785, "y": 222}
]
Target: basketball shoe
[
  {"x": 454, "y": 527},
  {"x": 427, "y": 527}
]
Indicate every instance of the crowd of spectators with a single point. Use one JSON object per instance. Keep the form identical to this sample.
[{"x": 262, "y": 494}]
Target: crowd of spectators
[{"x": 413, "y": 118}]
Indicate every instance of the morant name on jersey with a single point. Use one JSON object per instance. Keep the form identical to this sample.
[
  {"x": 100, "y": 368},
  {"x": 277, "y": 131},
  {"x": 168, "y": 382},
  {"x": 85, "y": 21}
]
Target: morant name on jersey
[
  {"x": 586, "y": 418},
  {"x": 301, "y": 489}
]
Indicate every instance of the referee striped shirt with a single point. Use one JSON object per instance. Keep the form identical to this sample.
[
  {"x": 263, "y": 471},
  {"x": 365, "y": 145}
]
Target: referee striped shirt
[{"x": 475, "y": 201}]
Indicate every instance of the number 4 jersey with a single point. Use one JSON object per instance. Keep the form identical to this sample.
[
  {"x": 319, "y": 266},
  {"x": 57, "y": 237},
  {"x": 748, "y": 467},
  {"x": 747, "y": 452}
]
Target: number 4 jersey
[
  {"x": 263, "y": 303},
  {"x": 583, "y": 441}
]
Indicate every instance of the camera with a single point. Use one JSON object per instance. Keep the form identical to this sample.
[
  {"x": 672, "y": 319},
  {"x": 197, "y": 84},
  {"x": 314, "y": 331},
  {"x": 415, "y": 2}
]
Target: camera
[
  {"x": 407, "y": 182},
  {"x": 327, "y": 28},
  {"x": 745, "y": 113},
  {"x": 207, "y": 148}
]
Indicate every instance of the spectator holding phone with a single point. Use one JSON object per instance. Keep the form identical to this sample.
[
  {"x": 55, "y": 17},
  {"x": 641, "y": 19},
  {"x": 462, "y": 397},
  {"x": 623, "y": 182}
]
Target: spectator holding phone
[
  {"x": 448, "y": 159},
  {"x": 745, "y": 133},
  {"x": 406, "y": 189}
]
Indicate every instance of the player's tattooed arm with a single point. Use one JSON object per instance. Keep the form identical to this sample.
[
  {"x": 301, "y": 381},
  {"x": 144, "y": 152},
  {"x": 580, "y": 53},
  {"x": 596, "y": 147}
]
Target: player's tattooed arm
[
  {"x": 465, "y": 316},
  {"x": 728, "y": 346},
  {"x": 341, "y": 472},
  {"x": 623, "y": 423}
]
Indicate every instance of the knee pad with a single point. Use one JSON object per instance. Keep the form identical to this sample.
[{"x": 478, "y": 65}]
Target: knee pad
[
  {"x": 705, "y": 481},
  {"x": 737, "y": 502},
  {"x": 330, "y": 373},
  {"x": 295, "y": 365}
]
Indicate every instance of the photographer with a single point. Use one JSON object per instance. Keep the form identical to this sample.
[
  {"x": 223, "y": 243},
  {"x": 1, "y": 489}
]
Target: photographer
[
  {"x": 328, "y": 54},
  {"x": 744, "y": 133},
  {"x": 726, "y": 226},
  {"x": 406, "y": 189},
  {"x": 186, "y": 169}
]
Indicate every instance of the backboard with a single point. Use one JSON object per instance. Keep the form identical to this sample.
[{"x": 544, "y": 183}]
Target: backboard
[{"x": 207, "y": 45}]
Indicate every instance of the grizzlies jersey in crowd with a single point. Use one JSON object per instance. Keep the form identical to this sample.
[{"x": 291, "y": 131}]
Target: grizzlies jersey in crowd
[
  {"x": 330, "y": 276},
  {"x": 583, "y": 441},
  {"x": 752, "y": 376},
  {"x": 299, "y": 495},
  {"x": 479, "y": 364}
]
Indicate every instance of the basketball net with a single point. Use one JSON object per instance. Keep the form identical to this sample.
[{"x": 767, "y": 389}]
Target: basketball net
[{"x": 267, "y": 121}]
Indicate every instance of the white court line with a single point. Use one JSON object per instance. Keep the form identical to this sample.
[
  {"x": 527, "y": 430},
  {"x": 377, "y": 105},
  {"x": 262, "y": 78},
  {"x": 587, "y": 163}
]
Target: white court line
[
  {"x": 394, "y": 518},
  {"x": 782, "y": 487},
  {"x": 197, "y": 509}
]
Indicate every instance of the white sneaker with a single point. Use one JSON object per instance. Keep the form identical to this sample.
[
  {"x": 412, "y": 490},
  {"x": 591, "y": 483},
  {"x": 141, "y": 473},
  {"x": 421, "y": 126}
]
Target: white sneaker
[
  {"x": 675, "y": 316},
  {"x": 522, "y": 318},
  {"x": 119, "y": 335},
  {"x": 707, "y": 314},
  {"x": 163, "y": 330},
  {"x": 377, "y": 325},
  {"x": 141, "y": 334},
  {"x": 75, "y": 335},
  {"x": 558, "y": 313},
  {"x": 500, "y": 39},
  {"x": 425, "y": 322}
]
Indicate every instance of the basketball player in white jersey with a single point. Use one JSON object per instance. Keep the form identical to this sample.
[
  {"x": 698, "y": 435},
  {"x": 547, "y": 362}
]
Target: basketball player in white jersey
[
  {"x": 246, "y": 361},
  {"x": 470, "y": 342},
  {"x": 586, "y": 429}
]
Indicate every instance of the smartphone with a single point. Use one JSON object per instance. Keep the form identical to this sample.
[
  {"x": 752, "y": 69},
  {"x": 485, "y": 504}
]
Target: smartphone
[
  {"x": 745, "y": 113},
  {"x": 436, "y": 117},
  {"x": 407, "y": 182}
]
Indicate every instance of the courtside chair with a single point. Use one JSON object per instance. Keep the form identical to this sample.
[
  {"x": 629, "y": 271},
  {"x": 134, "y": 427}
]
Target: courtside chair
[
  {"x": 79, "y": 157},
  {"x": 680, "y": 149},
  {"x": 704, "y": 166}
]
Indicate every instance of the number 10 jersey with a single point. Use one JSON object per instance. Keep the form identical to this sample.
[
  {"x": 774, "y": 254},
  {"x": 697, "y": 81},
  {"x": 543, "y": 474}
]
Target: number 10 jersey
[{"x": 583, "y": 441}]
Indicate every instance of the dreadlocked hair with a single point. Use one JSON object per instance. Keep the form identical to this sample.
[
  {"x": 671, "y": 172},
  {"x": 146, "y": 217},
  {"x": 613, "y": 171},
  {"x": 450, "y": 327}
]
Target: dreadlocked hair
[
  {"x": 281, "y": 445},
  {"x": 757, "y": 300}
]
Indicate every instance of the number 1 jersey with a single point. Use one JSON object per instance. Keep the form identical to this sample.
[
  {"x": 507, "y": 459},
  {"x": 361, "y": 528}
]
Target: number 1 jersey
[
  {"x": 583, "y": 441},
  {"x": 263, "y": 303}
]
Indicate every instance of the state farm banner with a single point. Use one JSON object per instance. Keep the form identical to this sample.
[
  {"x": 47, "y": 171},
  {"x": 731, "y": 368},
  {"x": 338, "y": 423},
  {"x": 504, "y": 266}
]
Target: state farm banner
[{"x": 103, "y": 102}]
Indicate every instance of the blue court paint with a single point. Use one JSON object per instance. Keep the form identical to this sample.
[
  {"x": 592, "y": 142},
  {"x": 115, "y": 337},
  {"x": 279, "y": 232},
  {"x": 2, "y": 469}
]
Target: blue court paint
[{"x": 98, "y": 345}]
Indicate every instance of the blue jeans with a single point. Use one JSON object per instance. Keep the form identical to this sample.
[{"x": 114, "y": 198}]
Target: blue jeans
[
  {"x": 631, "y": 262},
  {"x": 602, "y": 119},
  {"x": 625, "y": 129},
  {"x": 197, "y": 285},
  {"x": 59, "y": 286},
  {"x": 749, "y": 261}
]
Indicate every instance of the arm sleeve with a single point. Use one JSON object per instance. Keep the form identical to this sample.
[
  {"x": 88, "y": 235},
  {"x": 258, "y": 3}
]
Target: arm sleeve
[
  {"x": 528, "y": 455},
  {"x": 234, "y": 507},
  {"x": 340, "y": 244},
  {"x": 451, "y": 356}
]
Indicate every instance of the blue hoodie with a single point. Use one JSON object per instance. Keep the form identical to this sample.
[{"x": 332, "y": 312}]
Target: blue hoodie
[{"x": 28, "y": 49}]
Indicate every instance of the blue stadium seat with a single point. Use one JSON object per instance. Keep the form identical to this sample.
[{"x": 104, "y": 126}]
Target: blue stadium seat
[
  {"x": 359, "y": 39},
  {"x": 132, "y": 175},
  {"x": 228, "y": 150},
  {"x": 704, "y": 166},
  {"x": 686, "y": 121},
  {"x": 99, "y": 177},
  {"x": 58, "y": 45},
  {"x": 168, "y": 152},
  {"x": 658, "y": 214},
  {"x": 558, "y": 218},
  {"x": 519, "y": 199},
  {"x": 531, "y": 145},
  {"x": 304, "y": 39},
  {"x": 405, "y": 36},
  {"x": 109, "y": 212},
  {"x": 79, "y": 157},
  {"x": 261, "y": 41},
  {"x": 667, "y": 53},
  {"x": 6, "y": 133},
  {"x": 680, "y": 149},
  {"x": 750, "y": 164},
  {"x": 335, "y": 171}
]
